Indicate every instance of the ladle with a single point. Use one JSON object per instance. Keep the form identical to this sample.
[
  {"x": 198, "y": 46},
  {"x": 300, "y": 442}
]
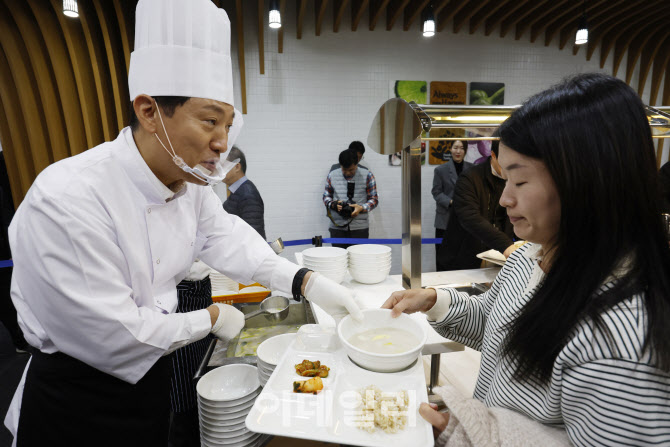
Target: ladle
[{"x": 276, "y": 309}]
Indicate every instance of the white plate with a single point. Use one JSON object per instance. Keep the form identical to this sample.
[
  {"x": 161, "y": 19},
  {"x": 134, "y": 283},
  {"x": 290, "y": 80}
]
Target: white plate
[
  {"x": 272, "y": 349},
  {"x": 493, "y": 256},
  {"x": 326, "y": 416}
]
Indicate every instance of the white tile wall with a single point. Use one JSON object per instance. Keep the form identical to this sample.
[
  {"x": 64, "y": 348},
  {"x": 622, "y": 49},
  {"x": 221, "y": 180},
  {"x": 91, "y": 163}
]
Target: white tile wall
[{"x": 323, "y": 92}]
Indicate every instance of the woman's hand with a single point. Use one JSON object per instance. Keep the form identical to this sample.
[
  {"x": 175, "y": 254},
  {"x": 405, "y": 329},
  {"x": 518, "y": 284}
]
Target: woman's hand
[
  {"x": 410, "y": 301},
  {"x": 438, "y": 420}
]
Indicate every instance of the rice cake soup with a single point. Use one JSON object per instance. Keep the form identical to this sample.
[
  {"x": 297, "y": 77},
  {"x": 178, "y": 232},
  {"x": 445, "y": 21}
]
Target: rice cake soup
[{"x": 385, "y": 340}]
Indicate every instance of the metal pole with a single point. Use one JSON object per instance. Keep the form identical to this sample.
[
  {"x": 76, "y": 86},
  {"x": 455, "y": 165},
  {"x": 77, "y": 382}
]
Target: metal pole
[{"x": 411, "y": 216}]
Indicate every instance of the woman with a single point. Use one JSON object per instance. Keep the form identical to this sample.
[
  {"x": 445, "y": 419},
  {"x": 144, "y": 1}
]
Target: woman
[
  {"x": 444, "y": 180},
  {"x": 573, "y": 332}
]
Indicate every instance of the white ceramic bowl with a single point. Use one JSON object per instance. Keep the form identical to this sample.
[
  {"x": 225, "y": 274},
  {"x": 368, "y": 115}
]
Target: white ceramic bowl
[
  {"x": 380, "y": 318},
  {"x": 369, "y": 249},
  {"x": 214, "y": 411},
  {"x": 214, "y": 438},
  {"x": 334, "y": 268},
  {"x": 371, "y": 277},
  {"x": 224, "y": 420},
  {"x": 265, "y": 370},
  {"x": 228, "y": 383},
  {"x": 324, "y": 261},
  {"x": 272, "y": 349},
  {"x": 225, "y": 432},
  {"x": 264, "y": 365},
  {"x": 324, "y": 253},
  {"x": 370, "y": 265}
]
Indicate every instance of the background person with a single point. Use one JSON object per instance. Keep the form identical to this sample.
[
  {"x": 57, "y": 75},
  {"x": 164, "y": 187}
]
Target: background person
[
  {"x": 355, "y": 186},
  {"x": 359, "y": 149},
  {"x": 444, "y": 181},
  {"x": 244, "y": 200},
  {"x": 573, "y": 331},
  {"x": 477, "y": 222}
]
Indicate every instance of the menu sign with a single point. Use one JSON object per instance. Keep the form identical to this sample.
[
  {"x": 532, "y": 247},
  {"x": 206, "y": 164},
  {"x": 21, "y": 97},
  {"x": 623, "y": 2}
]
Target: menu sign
[{"x": 445, "y": 93}]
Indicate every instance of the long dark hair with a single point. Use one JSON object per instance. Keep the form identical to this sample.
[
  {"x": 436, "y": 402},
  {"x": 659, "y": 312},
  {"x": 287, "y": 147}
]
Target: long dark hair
[{"x": 592, "y": 133}]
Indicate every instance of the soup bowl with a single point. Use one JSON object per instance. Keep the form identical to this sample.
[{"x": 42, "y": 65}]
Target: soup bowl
[{"x": 378, "y": 319}]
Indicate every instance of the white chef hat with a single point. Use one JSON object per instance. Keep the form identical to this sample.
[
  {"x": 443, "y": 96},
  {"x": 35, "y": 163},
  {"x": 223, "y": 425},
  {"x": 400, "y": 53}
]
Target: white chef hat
[{"x": 182, "y": 48}]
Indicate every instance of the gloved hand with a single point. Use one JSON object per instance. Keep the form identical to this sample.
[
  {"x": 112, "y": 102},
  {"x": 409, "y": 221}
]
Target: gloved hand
[
  {"x": 229, "y": 323},
  {"x": 335, "y": 299}
]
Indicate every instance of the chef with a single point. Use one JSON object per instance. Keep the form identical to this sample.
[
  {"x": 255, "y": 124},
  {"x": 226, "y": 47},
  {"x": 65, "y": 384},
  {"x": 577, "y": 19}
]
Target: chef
[{"x": 102, "y": 239}]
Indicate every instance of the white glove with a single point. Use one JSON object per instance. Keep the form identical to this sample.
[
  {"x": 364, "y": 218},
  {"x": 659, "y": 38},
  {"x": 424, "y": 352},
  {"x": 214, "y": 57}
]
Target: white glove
[
  {"x": 335, "y": 299},
  {"x": 229, "y": 323}
]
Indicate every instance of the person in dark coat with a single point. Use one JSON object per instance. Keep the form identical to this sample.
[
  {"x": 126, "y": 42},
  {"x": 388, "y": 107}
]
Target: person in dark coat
[
  {"x": 244, "y": 201},
  {"x": 664, "y": 179},
  {"x": 444, "y": 181},
  {"x": 477, "y": 222}
]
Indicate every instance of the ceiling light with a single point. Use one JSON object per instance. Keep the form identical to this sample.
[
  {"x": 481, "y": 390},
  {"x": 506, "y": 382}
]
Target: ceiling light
[
  {"x": 429, "y": 22},
  {"x": 275, "y": 17},
  {"x": 582, "y": 35},
  {"x": 70, "y": 8}
]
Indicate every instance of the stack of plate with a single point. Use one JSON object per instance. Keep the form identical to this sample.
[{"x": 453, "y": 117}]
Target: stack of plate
[
  {"x": 225, "y": 397},
  {"x": 329, "y": 261},
  {"x": 269, "y": 353},
  {"x": 222, "y": 285},
  {"x": 369, "y": 263}
]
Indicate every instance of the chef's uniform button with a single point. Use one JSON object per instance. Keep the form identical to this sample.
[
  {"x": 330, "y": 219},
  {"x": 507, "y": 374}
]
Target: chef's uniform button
[
  {"x": 149, "y": 211},
  {"x": 158, "y": 261}
]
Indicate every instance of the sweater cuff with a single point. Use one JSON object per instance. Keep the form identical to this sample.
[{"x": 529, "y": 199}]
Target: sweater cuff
[{"x": 439, "y": 311}]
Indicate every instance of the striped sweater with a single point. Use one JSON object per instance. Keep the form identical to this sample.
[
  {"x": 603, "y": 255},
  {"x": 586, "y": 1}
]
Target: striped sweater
[{"x": 604, "y": 393}]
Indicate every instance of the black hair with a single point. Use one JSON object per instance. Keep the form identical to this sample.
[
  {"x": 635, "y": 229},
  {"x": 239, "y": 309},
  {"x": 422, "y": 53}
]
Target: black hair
[
  {"x": 357, "y": 147},
  {"x": 348, "y": 157},
  {"x": 168, "y": 105},
  {"x": 463, "y": 141},
  {"x": 236, "y": 152},
  {"x": 592, "y": 134},
  {"x": 495, "y": 145}
]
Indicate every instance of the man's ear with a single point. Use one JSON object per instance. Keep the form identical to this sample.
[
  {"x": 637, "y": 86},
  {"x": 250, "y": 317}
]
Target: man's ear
[{"x": 145, "y": 110}]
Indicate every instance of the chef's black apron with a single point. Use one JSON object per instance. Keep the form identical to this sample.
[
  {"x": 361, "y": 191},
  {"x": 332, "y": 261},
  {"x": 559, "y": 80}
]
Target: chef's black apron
[
  {"x": 191, "y": 296},
  {"x": 67, "y": 402}
]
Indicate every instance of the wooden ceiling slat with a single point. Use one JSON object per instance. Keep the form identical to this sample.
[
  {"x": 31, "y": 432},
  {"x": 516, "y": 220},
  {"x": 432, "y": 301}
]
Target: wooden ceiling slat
[
  {"x": 465, "y": 15},
  {"x": 666, "y": 87},
  {"x": 62, "y": 66},
  {"x": 240, "y": 53},
  {"x": 608, "y": 36},
  {"x": 603, "y": 24},
  {"x": 496, "y": 19},
  {"x": 319, "y": 14},
  {"x": 649, "y": 55},
  {"x": 621, "y": 38},
  {"x": 548, "y": 18},
  {"x": 301, "y": 6},
  {"x": 357, "y": 10},
  {"x": 661, "y": 66},
  {"x": 21, "y": 170},
  {"x": 481, "y": 16},
  {"x": 638, "y": 44},
  {"x": 518, "y": 18},
  {"x": 393, "y": 11},
  {"x": 338, "y": 13},
  {"x": 261, "y": 38},
  {"x": 412, "y": 12},
  {"x": 125, "y": 44},
  {"x": 280, "y": 31},
  {"x": 541, "y": 16},
  {"x": 592, "y": 14},
  {"x": 50, "y": 110},
  {"x": 377, "y": 7},
  {"x": 449, "y": 13}
]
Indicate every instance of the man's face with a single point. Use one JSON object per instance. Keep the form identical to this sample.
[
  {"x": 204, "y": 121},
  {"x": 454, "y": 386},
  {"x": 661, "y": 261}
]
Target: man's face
[
  {"x": 198, "y": 131},
  {"x": 350, "y": 171}
]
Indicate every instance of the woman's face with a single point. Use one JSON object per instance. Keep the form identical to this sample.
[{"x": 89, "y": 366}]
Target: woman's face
[
  {"x": 458, "y": 151},
  {"x": 530, "y": 197}
]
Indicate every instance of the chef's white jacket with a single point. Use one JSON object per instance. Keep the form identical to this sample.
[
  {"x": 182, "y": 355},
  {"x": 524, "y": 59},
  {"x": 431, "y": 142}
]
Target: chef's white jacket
[{"x": 99, "y": 245}]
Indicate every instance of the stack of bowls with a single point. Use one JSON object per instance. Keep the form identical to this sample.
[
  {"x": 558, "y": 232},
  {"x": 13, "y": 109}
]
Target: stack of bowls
[
  {"x": 269, "y": 353},
  {"x": 329, "y": 261},
  {"x": 369, "y": 263},
  {"x": 222, "y": 285},
  {"x": 225, "y": 397}
]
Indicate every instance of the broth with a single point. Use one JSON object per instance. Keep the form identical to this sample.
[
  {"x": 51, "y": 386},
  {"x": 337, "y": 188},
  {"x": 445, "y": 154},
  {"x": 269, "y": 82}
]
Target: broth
[{"x": 385, "y": 340}]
